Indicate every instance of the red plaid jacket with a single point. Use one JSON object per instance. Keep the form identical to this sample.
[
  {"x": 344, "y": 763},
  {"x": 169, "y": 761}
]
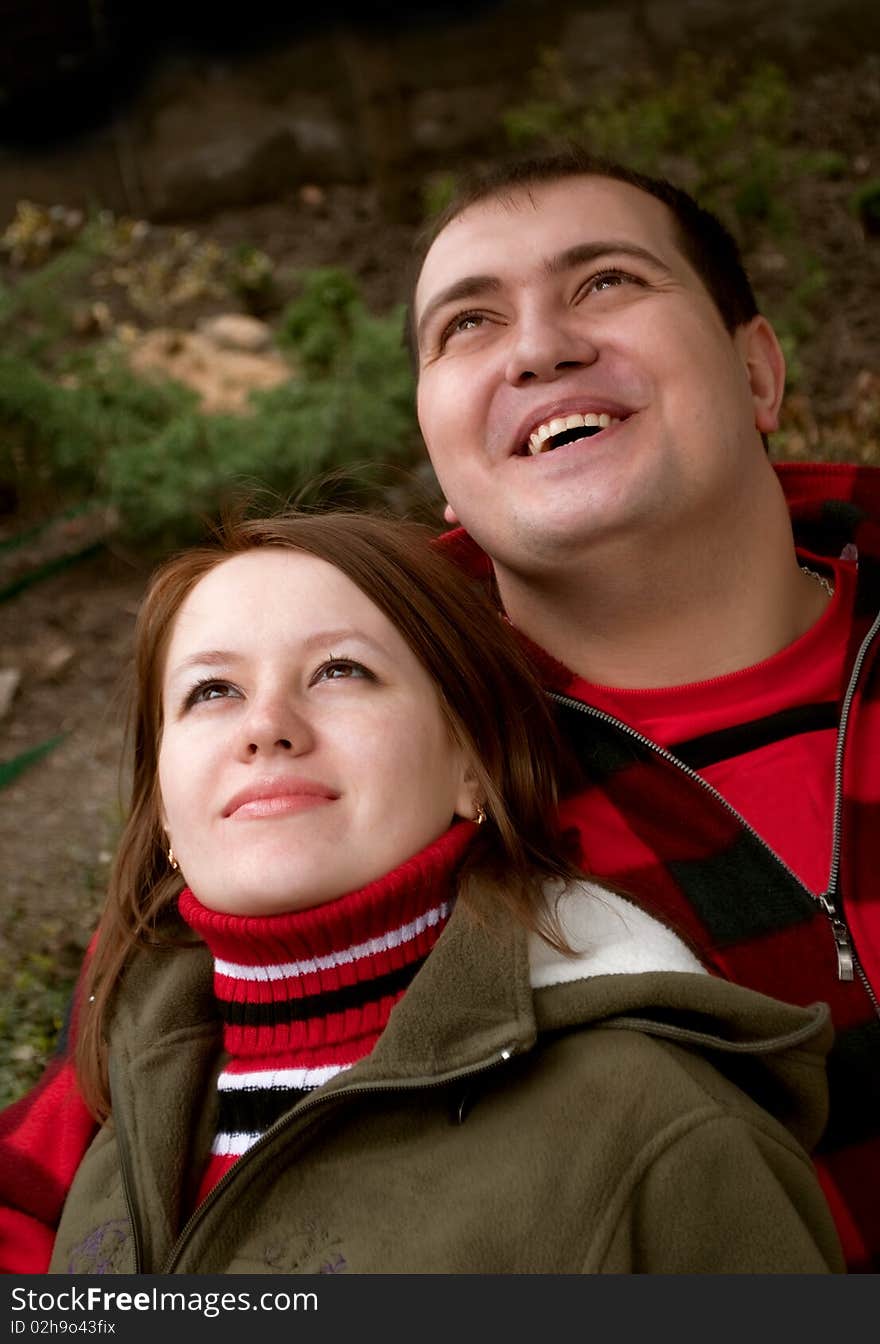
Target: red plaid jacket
[{"x": 648, "y": 825}]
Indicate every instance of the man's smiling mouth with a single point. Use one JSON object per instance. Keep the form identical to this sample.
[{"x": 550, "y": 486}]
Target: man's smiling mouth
[{"x": 564, "y": 429}]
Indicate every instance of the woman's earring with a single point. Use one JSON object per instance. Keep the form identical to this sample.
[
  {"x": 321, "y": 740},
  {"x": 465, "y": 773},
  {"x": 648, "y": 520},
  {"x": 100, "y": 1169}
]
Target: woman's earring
[
  {"x": 171, "y": 859},
  {"x": 481, "y": 814}
]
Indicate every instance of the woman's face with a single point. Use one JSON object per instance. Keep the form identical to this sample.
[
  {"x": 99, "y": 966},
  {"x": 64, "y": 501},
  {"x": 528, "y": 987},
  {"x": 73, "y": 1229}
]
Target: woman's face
[{"x": 304, "y": 752}]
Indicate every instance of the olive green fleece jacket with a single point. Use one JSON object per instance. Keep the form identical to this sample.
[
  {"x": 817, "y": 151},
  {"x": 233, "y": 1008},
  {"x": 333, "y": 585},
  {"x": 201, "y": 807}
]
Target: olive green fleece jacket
[{"x": 602, "y": 1123}]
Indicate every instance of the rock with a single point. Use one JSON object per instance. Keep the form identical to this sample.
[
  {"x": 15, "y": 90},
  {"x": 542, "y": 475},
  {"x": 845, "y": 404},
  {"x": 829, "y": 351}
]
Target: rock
[
  {"x": 9, "y": 679},
  {"x": 237, "y": 331},
  {"x": 57, "y": 660},
  {"x": 240, "y": 159},
  {"x": 312, "y": 195},
  {"x": 222, "y": 378}
]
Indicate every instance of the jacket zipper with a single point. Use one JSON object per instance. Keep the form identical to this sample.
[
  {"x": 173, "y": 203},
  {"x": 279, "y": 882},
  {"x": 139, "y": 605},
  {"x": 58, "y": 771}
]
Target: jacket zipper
[
  {"x": 127, "y": 1183},
  {"x": 827, "y": 901},
  {"x": 847, "y": 958},
  {"x": 293, "y": 1115}
]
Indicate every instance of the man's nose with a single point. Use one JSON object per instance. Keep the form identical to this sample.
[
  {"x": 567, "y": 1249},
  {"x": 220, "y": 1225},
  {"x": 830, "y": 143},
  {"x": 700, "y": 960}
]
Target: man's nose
[
  {"x": 546, "y": 345},
  {"x": 274, "y": 726}
]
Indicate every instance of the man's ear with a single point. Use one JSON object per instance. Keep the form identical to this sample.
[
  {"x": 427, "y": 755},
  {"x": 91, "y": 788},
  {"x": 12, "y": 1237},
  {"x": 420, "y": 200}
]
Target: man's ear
[
  {"x": 765, "y": 366},
  {"x": 450, "y": 516}
]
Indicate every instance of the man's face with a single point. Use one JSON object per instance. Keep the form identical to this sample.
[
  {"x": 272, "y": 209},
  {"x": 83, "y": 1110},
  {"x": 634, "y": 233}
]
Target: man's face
[{"x": 570, "y": 310}]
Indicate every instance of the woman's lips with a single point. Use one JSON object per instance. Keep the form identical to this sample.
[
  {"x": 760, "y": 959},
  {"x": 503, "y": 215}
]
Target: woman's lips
[
  {"x": 275, "y": 798},
  {"x": 282, "y": 806}
]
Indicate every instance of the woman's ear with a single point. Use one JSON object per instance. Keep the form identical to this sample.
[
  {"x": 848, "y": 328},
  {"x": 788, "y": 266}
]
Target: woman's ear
[
  {"x": 470, "y": 791},
  {"x": 765, "y": 366}
]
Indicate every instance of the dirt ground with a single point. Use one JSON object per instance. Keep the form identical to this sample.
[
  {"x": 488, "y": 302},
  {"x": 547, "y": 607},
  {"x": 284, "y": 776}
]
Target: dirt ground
[{"x": 69, "y": 636}]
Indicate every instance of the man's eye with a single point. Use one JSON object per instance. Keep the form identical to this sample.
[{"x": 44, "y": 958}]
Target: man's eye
[
  {"x": 461, "y": 323},
  {"x": 610, "y": 279},
  {"x": 341, "y": 669}
]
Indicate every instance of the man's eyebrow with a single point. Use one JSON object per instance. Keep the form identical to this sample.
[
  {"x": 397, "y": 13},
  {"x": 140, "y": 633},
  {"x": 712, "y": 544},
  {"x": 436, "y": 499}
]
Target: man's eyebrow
[
  {"x": 469, "y": 287},
  {"x": 585, "y": 252},
  {"x": 472, "y": 286}
]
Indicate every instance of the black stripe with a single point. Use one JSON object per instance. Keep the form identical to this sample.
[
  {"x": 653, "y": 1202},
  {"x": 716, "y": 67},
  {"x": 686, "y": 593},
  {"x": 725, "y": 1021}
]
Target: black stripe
[
  {"x": 837, "y": 524},
  {"x": 742, "y": 892},
  {"x": 868, "y": 589},
  {"x": 252, "y": 1110},
  {"x": 854, "y": 1087},
  {"x": 599, "y": 748},
  {"x": 319, "y": 1005},
  {"x": 698, "y": 752}
]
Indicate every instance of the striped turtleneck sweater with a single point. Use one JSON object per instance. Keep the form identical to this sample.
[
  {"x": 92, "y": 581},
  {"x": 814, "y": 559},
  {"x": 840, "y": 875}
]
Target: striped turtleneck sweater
[{"x": 305, "y": 995}]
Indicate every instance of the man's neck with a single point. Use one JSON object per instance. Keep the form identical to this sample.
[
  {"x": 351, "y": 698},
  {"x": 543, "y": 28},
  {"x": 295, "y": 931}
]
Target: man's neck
[{"x": 643, "y": 616}]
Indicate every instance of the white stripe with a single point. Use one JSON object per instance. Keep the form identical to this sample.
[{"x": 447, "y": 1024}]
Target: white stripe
[
  {"x": 233, "y": 1145},
  {"x": 290, "y": 969},
  {"x": 281, "y": 1079}
]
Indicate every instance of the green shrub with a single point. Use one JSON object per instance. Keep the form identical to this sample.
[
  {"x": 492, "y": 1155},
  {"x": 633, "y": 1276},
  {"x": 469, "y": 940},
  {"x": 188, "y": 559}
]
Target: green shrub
[
  {"x": 33, "y": 1001},
  {"x": 712, "y": 121},
  {"x": 144, "y": 448},
  {"x": 251, "y": 277},
  {"x": 437, "y": 191},
  {"x": 865, "y": 203}
]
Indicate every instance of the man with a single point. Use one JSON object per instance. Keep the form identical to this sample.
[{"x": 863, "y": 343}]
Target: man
[{"x": 595, "y": 390}]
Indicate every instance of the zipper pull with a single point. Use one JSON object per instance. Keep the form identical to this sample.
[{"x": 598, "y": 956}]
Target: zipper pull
[{"x": 844, "y": 950}]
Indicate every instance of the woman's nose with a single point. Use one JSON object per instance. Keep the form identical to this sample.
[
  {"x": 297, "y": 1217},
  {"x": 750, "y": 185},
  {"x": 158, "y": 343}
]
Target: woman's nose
[{"x": 276, "y": 726}]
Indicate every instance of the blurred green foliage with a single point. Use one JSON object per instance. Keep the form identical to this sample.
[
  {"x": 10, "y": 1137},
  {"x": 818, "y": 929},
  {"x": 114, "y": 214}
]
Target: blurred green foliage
[
  {"x": 251, "y": 277},
  {"x": 33, "y": 1000},
  {"x": 437, "y": 191},
  {"x": 721, "y": 127},
  {"x": 866, "y": 205},
  {"x": 81, "y": 425}
]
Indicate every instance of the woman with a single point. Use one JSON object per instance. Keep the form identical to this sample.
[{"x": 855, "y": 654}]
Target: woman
[{"x": 403, "y": 1038}]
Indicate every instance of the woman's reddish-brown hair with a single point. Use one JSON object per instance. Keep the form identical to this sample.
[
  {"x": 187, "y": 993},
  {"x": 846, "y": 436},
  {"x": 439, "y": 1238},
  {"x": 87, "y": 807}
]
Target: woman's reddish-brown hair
[{"x": 487, "y": 692}]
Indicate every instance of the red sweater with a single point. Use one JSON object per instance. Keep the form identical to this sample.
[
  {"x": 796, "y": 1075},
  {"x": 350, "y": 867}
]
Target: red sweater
[{"x": 303, "y": 996}]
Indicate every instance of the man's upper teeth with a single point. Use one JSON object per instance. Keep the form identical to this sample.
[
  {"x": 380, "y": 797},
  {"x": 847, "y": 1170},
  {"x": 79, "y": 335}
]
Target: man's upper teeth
[{"x": 539, "y": 439}]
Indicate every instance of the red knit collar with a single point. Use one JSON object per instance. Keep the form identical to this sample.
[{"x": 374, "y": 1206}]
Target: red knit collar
[{"x": 372, "y": 916}]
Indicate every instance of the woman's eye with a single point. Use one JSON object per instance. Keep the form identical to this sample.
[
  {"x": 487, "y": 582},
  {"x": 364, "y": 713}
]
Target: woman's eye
[
  {"x": 205, "y": 691},
  {"x": 341, "y": 669}
]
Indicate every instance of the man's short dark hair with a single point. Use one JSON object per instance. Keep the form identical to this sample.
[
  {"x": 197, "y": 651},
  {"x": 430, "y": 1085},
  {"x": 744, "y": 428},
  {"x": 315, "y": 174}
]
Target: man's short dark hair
[{"x": 705, "y": 242}]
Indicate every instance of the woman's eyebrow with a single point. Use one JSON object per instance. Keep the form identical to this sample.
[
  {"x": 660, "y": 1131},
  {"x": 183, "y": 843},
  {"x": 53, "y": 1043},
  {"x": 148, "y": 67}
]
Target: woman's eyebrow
[
  {"x": 204, "y": 658},
  {"x": 325, "y": 639},
  {"x": 582, "y": 253},
  {"x": 179, "y": 673}
]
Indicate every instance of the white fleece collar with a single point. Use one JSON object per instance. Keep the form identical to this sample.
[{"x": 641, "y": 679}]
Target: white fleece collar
[{"x": 610, "y": 935}]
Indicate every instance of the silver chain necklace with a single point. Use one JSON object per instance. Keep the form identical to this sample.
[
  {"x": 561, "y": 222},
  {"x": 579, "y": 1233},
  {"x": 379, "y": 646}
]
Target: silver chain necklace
[{"x": 821, "y": 579}]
